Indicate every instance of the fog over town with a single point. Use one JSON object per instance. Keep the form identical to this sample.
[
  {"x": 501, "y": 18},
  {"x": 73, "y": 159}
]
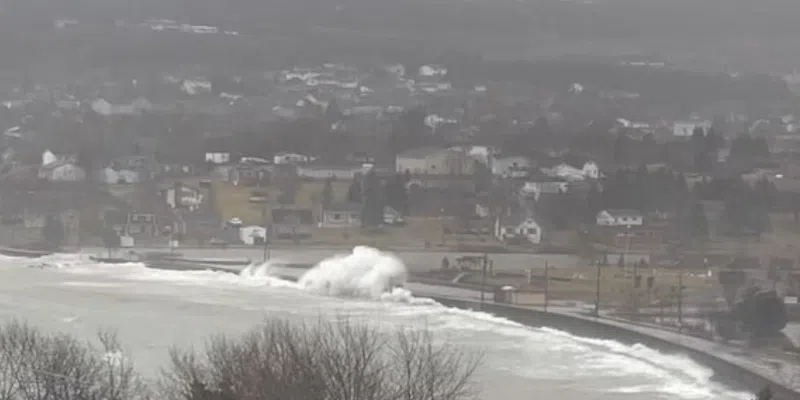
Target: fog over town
[{"x": 614, "y": 186}]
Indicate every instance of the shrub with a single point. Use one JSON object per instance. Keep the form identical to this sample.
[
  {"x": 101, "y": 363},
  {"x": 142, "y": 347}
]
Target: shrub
[
  {"x": 38, "y": 366},
  {"x": 329, "y": 360},
  {"x": 322, "y": 361}
]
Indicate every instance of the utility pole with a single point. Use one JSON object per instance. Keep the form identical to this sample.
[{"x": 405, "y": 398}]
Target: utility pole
[
  {"x": 680, "y": 297},
  {"x": 627, "y": 252},
  {"x": 483, "y": 278},
  {"x": 265, "y": 249},
  {"x": 546, "y": 285},
  {"x": 597, "y": 294}
]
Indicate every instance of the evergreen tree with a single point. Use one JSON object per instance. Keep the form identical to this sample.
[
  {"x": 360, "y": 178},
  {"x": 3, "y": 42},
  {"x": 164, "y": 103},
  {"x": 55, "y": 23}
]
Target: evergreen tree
[
  {"x": 641, "y": 186},
  {"x": 111, "y": 239},
  {"x": 700, "y": 151},
  {"x": 620, "y": 152},
  {"x": 594, "y": 204},
  {"x": 354, "y": 192},
  {"x": 697, "y": 224},
  {"x": 327, "y": 193},
  {"x": 53, "y": 232},
  {"x": 332, "y": 111},
  {"x": 397, "y": 194},
  {"x": 767, "y": 193},
  {"x": 373, "y": 201}
]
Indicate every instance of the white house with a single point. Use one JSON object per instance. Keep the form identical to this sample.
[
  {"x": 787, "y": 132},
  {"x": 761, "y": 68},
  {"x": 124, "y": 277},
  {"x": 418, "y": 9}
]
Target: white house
[
  {"x": 590, "y": 170},
  {"x": 537, "y": 188},
  {"x": 341, "y": 215},
  {"x": 252, "y": 235},
  {"x": 63, "y": 169},
  {"x": 218, "y": 157},
  {"x": 114, "y": 176},
  {"x": 620, "y": 218},
  {"x": 184, "y": 196},
  {"x": 136, "y": 107},
  {"x": 291, "y": 158},
  {"x": 511, "y": 228},
  {"x": 686, "y": 128},
  {"x": 436, "y": 161},
  {"x": 510, "y": 166}
]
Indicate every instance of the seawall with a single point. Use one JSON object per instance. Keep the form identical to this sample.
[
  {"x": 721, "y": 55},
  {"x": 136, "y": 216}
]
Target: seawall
[{"x": 726, "y": 371}]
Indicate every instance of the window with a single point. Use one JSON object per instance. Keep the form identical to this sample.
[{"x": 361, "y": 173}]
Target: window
[
  {"x": 531, "y": 231},
  {"x": 337, "y": 216}
]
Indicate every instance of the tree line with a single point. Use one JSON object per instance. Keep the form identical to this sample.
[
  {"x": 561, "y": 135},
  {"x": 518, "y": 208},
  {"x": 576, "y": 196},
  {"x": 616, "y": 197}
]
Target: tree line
[
  {"x": 745, "y": 206},
  {"x": 374, "y": 193}
]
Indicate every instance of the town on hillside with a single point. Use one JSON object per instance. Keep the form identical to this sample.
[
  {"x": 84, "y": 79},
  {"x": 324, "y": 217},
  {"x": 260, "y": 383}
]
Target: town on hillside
[{"x": 399, "y": 157}]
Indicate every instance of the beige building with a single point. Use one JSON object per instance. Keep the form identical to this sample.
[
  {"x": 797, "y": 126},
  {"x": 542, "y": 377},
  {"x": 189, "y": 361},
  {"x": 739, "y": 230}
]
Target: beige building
[{"x": 435, "y": 161}]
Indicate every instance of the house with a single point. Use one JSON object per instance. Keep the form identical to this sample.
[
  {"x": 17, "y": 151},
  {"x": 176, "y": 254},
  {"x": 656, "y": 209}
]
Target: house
[
  {"x": 620, "y": 218},
  {"x": 518, "y": 227},
  {"x": 536, "y": 187},
  {"x": 292, "y": 158},
  {"x": 292, "y": 223},
  {"x": 253, "y": 235},
  {"x": 176, "y": 170},
  {"x": 218, "y": 157},
  {"x": 182, "y": 196},
  {"x": 686, "y": 128},
  {"x": 141, "y": 224},
  {"x": 435, "y": 161},
  {"x": 590, "y": 170},
  {"x": 250, "y": 174},
  {"x": 713, "y": 211},
  {"x": 113, "y": 176},
  {"x": 135, "y": 107},
  {"x": 337, "y": 172},
  {"x": 510, "y": 166},
  {"x": 341, "y": 215},
  {"x": 62, "y": 171}
]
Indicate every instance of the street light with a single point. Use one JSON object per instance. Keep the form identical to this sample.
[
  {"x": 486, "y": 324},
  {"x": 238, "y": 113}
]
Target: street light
[
  {"x": 597, "y": 294},
  {"x": 483, "y": 277}
]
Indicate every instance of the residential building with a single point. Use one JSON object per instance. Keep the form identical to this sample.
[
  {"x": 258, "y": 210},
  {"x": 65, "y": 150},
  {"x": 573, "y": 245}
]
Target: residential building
[
  {"x": 141, "y": 224},
  {"x": 545, "y": 185},
  {"x": 113, "y": 176},
  {"x": 686, "y": 128},
  {"x": 218, "y": 157},
  {"x": 516, "y": 228},
  {"x": 63, "y": 171},
  {"x": 292, "y": 158},
  {"x": 620, "y": 218},
  {"x": 510, "y": 166},
  {"x": 253, "y": 235},
  {"x": 436, "y": 161},
  {"x": 338, "y": 172},
  {"x": 589, "y": 170},
  {"x": 341, "y": 215},
  {"x": 250, "y": 174},
  {"x": 182, "y": 196},
  {"x": 292, "y": 223}
]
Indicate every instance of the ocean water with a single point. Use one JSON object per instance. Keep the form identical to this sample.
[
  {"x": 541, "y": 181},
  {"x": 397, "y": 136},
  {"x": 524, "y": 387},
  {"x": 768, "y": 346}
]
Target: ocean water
[{"x": 154, "y": 309}]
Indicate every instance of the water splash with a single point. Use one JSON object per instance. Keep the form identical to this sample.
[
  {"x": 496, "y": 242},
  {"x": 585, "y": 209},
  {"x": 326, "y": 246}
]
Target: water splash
[{"x": 365, "y": 272}]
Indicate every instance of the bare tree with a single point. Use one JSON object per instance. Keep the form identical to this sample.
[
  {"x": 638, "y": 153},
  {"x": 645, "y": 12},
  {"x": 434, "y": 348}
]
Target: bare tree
[
  {"x": 39, "y": 366},
  {"x": 328, "y": 360}
]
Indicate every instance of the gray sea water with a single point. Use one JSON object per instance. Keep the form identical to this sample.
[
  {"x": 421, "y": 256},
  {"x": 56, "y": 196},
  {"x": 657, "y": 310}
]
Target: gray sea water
[{"x": 153, "y": 310}]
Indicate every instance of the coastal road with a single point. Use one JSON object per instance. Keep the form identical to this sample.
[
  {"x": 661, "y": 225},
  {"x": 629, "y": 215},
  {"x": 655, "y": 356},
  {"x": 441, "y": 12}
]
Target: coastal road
[{"x": 415, "y": 261}]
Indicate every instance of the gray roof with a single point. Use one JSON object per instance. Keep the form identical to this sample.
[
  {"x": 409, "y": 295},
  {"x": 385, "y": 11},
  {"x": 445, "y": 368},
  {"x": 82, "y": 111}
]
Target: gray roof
[
  {"x": 344, "y": 207},
  {"x": 421, "y": 153},
  {"x": 624, "y": 213}
]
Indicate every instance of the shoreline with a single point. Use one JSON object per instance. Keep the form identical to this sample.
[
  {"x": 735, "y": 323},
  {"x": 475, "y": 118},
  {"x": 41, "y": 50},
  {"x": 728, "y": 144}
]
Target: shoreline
[
  {"x": 737, "y": 371},
  {"x": 747, "y": 374}
]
